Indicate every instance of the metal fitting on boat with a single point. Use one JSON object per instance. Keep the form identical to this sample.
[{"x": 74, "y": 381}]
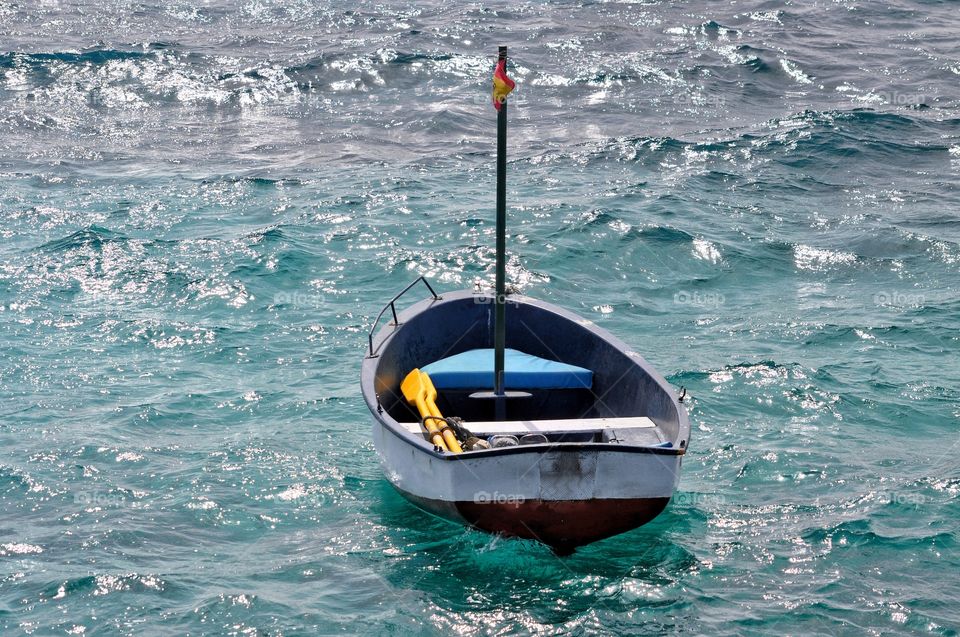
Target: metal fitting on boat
[
  {"x": 503, "y": 441},
  {"x": 533, "y": 439}
]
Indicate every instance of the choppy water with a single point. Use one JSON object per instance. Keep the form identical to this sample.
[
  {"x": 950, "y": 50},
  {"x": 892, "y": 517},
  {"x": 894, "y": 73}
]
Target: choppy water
[{"x": 204, "y": 206}]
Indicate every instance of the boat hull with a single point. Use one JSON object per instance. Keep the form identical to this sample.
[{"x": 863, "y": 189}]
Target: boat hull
[
  {"x": 564, "y": 496},
  {"x": 561, "y": 524}
]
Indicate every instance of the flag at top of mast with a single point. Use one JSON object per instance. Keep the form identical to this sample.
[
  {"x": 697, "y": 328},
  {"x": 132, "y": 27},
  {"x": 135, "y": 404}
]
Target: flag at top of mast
[{"x": 502, "y": 85}]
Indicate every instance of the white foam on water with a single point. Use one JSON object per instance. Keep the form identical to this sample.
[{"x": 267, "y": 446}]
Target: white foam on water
[{"x": 809, "y": 258}]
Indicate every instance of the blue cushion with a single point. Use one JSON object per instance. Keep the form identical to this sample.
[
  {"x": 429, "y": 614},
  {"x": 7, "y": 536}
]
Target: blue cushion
[{"x": 474, "y": 370}]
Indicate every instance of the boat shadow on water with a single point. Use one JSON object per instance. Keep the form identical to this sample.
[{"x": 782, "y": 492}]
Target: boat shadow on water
[{"x": 466, "y": 572}]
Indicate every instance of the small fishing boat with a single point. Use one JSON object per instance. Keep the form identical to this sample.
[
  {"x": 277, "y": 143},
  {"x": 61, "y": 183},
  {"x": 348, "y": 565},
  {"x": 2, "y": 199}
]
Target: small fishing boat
[{"x": 517, "y": 417}]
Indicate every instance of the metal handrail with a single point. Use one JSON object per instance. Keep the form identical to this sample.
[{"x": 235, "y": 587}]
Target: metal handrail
[{"x": 393, "y": 309}]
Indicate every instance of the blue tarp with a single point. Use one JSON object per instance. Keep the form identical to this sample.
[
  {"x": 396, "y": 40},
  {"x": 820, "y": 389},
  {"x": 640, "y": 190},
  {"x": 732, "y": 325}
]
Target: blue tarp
[{"x": 474, "y": 370}]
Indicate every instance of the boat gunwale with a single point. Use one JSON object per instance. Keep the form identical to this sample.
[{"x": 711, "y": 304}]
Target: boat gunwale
[{"x": 426, "y": 447}]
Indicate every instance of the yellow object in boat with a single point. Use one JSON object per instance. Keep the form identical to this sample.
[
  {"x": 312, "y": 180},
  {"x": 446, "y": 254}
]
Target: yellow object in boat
[{"x": 418, "y": 389}]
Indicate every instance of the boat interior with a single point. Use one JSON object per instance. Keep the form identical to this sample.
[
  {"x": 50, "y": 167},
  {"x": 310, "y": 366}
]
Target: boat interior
[{"x": 566, "y": 382}]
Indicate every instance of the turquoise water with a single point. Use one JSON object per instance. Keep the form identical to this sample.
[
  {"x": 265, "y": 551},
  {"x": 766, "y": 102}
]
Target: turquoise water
[{"x": 205, "y": 205}]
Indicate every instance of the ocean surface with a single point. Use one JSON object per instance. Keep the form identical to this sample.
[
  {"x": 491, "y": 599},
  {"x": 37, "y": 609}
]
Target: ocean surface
[{"x": 205, "y": 204}]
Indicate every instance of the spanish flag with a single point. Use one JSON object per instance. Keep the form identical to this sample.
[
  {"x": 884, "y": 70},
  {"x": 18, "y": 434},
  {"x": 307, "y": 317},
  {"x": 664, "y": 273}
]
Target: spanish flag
[{"x": 502, "y": 85}]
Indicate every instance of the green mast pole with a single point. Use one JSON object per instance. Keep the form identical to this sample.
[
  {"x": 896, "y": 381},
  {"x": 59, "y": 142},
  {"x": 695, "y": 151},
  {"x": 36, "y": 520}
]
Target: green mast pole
[{"x": 500, "y": 327}]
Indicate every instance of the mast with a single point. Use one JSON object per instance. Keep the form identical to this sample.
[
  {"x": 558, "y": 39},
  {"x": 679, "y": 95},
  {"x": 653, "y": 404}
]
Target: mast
[{"x": 500, "y": 327}]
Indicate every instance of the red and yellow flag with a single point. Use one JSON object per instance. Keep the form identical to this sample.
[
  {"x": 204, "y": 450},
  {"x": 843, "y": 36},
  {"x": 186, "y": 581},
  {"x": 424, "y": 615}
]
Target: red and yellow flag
[{"x": 502, "y": 85}]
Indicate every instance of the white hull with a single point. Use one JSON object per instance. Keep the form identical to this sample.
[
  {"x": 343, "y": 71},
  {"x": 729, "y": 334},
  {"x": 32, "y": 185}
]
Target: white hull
[{"x": 541, "y": 473}]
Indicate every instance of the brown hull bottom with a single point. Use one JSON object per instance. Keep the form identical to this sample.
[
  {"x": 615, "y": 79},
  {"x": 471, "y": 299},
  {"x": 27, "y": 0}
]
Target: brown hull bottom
[{"x": 562, "y": 525}]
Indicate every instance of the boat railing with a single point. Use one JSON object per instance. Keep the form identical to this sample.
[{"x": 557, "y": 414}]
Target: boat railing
[{"x": 393, "y": 309}]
